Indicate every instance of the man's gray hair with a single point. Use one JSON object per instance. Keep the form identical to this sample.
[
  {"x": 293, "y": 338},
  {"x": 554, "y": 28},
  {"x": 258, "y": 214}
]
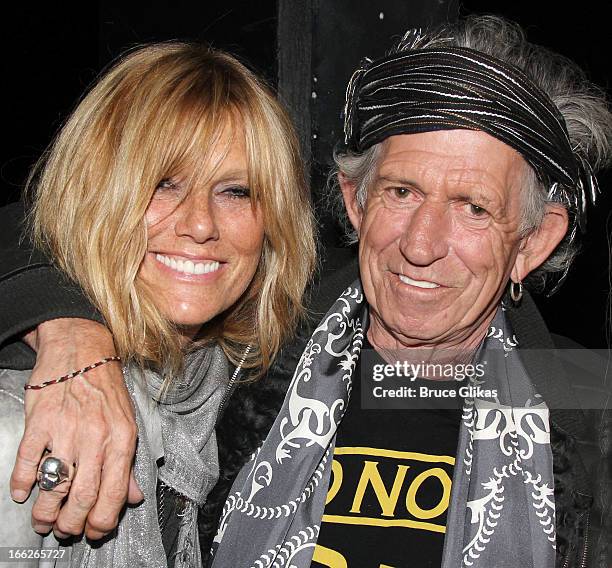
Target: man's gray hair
[{"x": 582, "y": 104}]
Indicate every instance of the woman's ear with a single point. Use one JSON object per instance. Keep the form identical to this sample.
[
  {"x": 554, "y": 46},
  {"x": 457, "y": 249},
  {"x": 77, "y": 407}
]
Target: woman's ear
[{"x": 536, "y": 247}]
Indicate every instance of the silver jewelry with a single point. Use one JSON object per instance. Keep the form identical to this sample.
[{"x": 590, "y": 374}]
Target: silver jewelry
[
  {"x": 516, "y": 291},
  {"x": 51, "y": 472}
]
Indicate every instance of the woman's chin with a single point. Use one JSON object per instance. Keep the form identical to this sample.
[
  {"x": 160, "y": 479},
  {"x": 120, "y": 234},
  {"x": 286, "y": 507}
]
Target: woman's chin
[{"x": 193, "y": 313}]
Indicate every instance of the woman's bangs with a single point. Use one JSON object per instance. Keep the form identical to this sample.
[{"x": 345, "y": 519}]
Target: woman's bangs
[
  {"x": 260, "y": 151},
  {"x": 191, "y": 147}
]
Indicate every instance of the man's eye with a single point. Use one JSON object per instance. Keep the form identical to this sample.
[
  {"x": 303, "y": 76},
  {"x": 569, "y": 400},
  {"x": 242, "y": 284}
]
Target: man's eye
[
  {"x": 401, "y": 192},
  {"x": 476, "y": 210}
]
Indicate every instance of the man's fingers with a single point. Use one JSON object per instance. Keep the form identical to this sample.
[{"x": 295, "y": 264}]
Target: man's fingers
[
  {"x": 114, "y": 491},
  {"x": 83, "y": 492},
  {"x": 47, "y": 507},
  {"x": 92, "y": 413},
  {"x": 48, "y": 503},
  {"x": 135, "y": 495},
  {"x": 29, "y": 454}
]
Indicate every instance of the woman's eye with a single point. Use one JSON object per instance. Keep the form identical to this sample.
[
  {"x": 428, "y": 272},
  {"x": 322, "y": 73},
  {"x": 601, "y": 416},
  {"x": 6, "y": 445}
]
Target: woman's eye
[
  {"x": 167, "y": 184},
  {"x": 237, "y": 192}
]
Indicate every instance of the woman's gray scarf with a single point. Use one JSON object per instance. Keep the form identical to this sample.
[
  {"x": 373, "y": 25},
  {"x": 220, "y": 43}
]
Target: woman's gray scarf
[
  {"x": 502, "y": 506},
  {"x": 185, "y": 417}
]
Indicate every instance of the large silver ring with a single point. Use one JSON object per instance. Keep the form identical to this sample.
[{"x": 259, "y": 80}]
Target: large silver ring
[{"x": 51, "y": 472}]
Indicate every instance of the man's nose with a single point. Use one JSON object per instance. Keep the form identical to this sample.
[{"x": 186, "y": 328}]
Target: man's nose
[
  {"x": 197, "y": 219},
  {"x": 425, "y": 238}
]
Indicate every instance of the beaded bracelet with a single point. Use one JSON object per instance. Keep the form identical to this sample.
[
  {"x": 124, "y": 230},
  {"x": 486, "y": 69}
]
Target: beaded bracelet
[{"x": 73, "y": 374}]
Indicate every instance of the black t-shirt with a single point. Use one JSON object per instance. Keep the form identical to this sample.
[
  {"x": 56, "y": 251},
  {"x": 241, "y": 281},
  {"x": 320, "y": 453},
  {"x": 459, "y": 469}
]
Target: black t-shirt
[{"x": 391, "y": 480}]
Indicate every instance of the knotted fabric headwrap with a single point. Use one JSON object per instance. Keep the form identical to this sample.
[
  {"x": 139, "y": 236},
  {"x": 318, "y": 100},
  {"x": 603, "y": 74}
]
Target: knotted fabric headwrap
[{"x": 443, "y": 88}]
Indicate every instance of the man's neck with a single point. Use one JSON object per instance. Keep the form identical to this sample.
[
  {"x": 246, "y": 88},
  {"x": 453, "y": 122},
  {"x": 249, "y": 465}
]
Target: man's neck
[{"x": 459, "y": 348}]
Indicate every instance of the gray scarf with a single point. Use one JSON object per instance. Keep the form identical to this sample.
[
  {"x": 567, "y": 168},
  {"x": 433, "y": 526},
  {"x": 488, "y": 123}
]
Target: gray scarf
[
  {"x": 501, "y": 511},
  {"x": 184, "y": 420}
]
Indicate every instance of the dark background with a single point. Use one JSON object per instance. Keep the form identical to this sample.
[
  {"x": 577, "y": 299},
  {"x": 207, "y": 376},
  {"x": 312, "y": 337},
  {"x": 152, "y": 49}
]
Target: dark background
[{"x": 306, "y": 48}]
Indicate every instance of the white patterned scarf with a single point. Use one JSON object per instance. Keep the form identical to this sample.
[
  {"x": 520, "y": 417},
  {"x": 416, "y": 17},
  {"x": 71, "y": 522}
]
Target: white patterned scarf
[{"x": 502, "y": 506}]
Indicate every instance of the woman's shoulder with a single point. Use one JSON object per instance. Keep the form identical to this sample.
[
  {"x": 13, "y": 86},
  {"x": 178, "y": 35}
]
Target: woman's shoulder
[
  {"x": 12, "y": 398},
  {"x": 12, "y": 382},
  {"x": 16, "y": 530}
]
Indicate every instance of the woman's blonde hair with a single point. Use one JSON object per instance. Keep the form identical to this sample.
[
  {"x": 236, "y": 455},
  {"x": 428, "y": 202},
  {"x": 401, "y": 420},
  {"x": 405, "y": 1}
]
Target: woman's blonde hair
[{"x": 158, "y": 112}]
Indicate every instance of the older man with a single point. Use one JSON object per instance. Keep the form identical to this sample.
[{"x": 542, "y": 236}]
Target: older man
[
  {"x": 462, "y": 176},
  {"x": 467, "y": 169}
]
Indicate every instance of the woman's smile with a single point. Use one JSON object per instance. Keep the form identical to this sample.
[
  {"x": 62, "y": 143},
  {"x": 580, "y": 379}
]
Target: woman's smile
[{"x": 188, "y": 267}]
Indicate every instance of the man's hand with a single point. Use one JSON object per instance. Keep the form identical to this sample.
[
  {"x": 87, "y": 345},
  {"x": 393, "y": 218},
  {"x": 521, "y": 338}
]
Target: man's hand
[{"x": 88, "y": 420}]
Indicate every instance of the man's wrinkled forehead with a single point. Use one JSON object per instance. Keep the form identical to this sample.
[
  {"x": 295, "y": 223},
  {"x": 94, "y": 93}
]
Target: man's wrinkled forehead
[{"x": 471, "y": 163}]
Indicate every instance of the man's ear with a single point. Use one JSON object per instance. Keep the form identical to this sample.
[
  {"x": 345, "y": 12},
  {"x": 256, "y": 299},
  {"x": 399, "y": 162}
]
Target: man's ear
[
  {"x": 536, "y": 247},
  {"x": 349, "y": 194}
]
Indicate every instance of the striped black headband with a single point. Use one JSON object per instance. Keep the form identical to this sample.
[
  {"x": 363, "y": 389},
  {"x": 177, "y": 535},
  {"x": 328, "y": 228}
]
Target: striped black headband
[{"x": 421, "y": 90}]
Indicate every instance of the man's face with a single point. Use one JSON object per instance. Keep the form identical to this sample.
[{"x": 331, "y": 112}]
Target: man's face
[{"x": 438, "y": 236}]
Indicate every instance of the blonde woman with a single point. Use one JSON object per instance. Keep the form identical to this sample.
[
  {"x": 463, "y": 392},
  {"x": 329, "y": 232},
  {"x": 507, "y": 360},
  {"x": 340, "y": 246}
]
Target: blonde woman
[{"x": 174, "y": 197}]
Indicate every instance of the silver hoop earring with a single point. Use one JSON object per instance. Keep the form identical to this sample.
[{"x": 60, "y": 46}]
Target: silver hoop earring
[{"x": 516, "y": 291}]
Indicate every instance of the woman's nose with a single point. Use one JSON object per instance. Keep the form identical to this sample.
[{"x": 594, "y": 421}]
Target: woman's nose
[
  {"x": 425, "y": 237},
  {"x": 197, "y": 219}
]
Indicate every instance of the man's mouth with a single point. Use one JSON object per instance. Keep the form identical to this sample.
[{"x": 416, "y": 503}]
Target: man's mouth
[
  {"x": 418, "y": 283},
  {"x": 187, "y": 266}
]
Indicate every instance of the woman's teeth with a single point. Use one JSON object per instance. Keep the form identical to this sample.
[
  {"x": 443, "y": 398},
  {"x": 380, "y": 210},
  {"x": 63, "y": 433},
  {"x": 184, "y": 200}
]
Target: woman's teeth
[
  {"x": 187, "y": 266},
  {"x": 418, "y": 283}
]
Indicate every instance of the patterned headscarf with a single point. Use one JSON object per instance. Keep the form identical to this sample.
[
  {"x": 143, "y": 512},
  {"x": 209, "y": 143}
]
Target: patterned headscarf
[{"x": 441, "y": 88}]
